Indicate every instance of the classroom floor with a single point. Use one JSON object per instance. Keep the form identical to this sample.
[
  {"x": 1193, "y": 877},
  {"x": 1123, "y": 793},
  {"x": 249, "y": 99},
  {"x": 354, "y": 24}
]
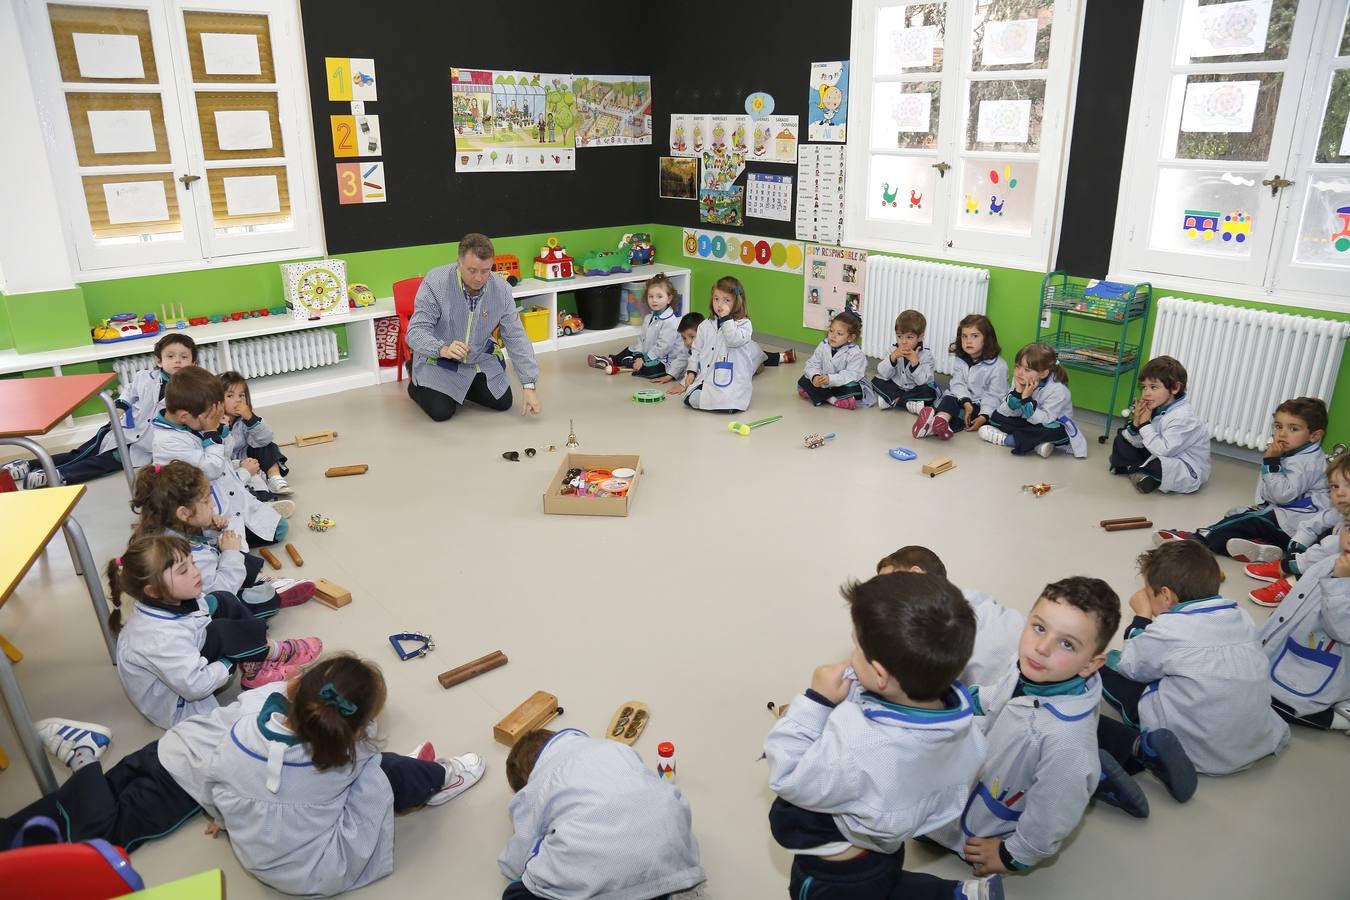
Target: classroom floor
[{"x": 718, "y": 594}]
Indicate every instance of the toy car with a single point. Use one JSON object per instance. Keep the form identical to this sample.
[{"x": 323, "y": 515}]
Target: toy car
[
  {"x": 358, "y": 295},
  {"x": 641, "y": 252},
  {"x": 569, "y": 323},
  {"x": 605, "y": 262},
  {"x": 507, "y": 265}
]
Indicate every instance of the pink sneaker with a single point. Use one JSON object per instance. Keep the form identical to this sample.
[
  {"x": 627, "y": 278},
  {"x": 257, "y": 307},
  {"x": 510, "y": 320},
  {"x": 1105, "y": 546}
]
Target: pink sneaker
[
  {"x": 923, "y": 425},
  {"x": 270, "y": 671},
  {"x": 296, "y": 594},
  {"x": 424, "y": 751},
  {"x": 299, "y": 651},
  {"x": 941, "y": 428},
  {"x": 597, "y": 362},
  {"x": 846, "y": 403},
  {"x": 801, "y": 392}
]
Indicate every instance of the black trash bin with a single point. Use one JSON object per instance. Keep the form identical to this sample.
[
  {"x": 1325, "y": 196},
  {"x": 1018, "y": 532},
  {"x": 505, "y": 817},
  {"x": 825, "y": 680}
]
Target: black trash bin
[{"x": 599, "y": 306}]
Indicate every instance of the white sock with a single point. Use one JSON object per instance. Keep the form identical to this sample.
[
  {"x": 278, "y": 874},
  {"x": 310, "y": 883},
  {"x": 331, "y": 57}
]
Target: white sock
[
  {"x": 83, "y": 757},
  {"x": 832, "y": 400}
]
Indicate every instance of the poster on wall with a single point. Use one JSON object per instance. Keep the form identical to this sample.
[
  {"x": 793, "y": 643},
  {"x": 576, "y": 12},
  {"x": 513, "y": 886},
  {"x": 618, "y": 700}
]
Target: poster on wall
[
  {"x": 827, "y": 103},
  {"x": 1228, "y": 29},
  {"x": 361, "y": 182},
  {"x": 769, "y": 196},
  {"x": 820, "y": 194},
  {"x": 613, "y": 110},
  {"x": 512, "y": 121},
  {"x": 679, "y": 178},
  {"x": 773, "y": 254},
  {"x": 1220, "y": 106},
  {"x": 834, "y": 282},
  {"x": 721, "y": 207},
  {"x": 720, "y": 170},
  {"x": 775, "y": 139}
]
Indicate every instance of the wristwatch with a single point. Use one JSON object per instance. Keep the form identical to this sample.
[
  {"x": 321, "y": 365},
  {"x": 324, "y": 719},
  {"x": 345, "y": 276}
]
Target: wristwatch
[{"x": 527, "y": 385}]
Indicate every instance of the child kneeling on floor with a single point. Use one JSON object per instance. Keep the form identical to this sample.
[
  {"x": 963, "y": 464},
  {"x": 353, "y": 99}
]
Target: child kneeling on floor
[
  {"x": 836, "y": 373},
  {"x": 1164, "y": 446},
  {"x": 1036, "y": 415},
  {"x": 881, "y": 747},
  {"x": 650, "y": 357},
  {"x": 591, "y": 819}
]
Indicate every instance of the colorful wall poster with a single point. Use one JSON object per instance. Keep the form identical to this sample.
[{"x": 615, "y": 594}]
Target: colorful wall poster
[
  {"x": 1009, "y": 43},
  {"x": 512, "y": 121},
  {"x": 360, "y": 182},
  {"x": 774, "y": 254},
  {"x": 1219, "y": 106},
  {"x": 1003, "y": 121},
  {"x": 681, "y": 135},
  {"x": 721, "y": 207},
  {"x": 834, "y": 282},
  {"x": 827, "y": 103},
  {"x": 1228, "y": 29},
  {"x": 364, "y": 84},
  {"x": 779, "y": 140},
  {"x": 613, "y": 110},
  {"x": 339, "y": 72},
  {"x": 700, "y": 127},
  {"x": 769, "y": 196},
  {"x": 679, "y": 178},
  {"x": 820, "y": 194},
  {"x": 720, "y": 170}
]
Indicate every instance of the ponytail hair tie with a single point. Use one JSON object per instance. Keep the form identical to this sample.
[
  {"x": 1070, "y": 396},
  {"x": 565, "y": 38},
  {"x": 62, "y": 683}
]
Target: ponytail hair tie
[
  {"x": 157, "y": 468},
  {"x": 118, "y": 562},
  {"x": 333, "y": 697}
]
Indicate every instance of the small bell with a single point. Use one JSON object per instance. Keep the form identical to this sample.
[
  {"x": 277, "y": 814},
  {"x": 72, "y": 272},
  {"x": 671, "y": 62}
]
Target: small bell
[{"x": 572, "y": 435}]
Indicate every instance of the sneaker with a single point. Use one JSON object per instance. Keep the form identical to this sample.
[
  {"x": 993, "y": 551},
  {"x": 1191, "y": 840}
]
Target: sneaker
[
  {"x": 923, "y": 425},
  {"x": 1340, "y": 720},
  {"x": 461, "y": 773},
  {"x": 1045, "y": 449},
  {"x": 1247, "y": 551},
  {"x": 284, "y": 508},
  {"x": 993, "y": 435},
  {"x": 1118, "y": 789},
  {"x": 1267, "y": 571},
  {"x": 787, "y": 357},
  {"x": 299, "y": 651},
  {"x": 1143, "y": 482},
  {"x": 36, "y": 479},
  {"x": 914, "y": 406},
  {"x": 62, "y": 737},
  {"x": 846, "y": 403},
  {"x": 424, "y": 751},
  {"x": 278, "y": 485},
  {"x": 296, "y": 593},
  {"x": 941, "y": 428},
  {"x": 1271, "y": 594},
  {"x": 18, "y": 470},
  {"x": 1162, "y": 754},
  {"x": 597, "y": 362},
  {"x": 267, "y": 672},
  {"x": 1162, "y": 537},
  {"x": 801, "y": 392},
  {"x": 988, "y": 888}
]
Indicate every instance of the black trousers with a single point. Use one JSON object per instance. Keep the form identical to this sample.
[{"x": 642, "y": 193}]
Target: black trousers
[
  {"x": 954, "y": 407},
  {"x": 441, "y": 406},
  {"x": 894, "y": 395},
  {"x": 84, "y": 463},
  {"x": 1127, "y": 458},
  {"x": 1257, "y": 525},
  {"x": 1026, "y": 436},
  {"x": 1320, "y": 720},
  {"x": 821, "y": 395},
  {"x": 1118, "y": 738},
  {"x": 269, "y": 456},
  {"x": 238, "y": 631}
]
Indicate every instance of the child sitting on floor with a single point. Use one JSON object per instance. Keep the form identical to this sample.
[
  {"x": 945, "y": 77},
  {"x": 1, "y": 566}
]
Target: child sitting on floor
[
  {"x": 679, "y": 356},
  {"x": 979, "y": 381},
  {"x": 837, "y": 372},
  {"x": 724, "y": 357},
  {"x": 1316, "y": 538},
  {"x": 591, "y": 819},
  {"x": 650, "y": 357},
  {"x": 248, "y": 442},
  {"x": 905, "y": 375},
  {"x": 1035, "y": 416},
  {"x": 1164, "y": 445}
]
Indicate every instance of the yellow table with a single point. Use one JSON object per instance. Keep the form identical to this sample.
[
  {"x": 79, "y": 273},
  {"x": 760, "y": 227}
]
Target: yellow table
[{"x": 28, "y": 519}]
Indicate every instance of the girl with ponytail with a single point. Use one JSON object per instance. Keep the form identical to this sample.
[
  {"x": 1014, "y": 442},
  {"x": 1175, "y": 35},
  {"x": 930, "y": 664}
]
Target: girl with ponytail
[{"x": 1036, "y": 415}]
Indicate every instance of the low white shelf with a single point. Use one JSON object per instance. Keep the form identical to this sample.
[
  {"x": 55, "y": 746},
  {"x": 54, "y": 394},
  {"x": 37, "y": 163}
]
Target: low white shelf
[{"x": 533, "y": 292}]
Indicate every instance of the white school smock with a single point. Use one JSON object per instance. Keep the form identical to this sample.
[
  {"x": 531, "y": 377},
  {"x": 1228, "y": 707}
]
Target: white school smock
[
  {"x": 984, "y": 383},
  {"x": 723, "y": 360},
  {"x": 1295, "y": 486},
  {"x": 139, "y": 404},
  {"x": 1304, "y": 640},
  {"x": 231, "y": 498},
  {"x": 905, "y": 377},
  {"x": 160, "y": 663},
  {"x": 845, "y": 366},
  {"x": 997, "y": 631},
  {"x": 660, "y": 334},
  {"x": 1179, "y": 441}
]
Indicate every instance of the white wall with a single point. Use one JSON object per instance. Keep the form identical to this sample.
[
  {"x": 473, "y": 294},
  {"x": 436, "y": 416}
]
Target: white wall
[{"x": 33, "y": 254}]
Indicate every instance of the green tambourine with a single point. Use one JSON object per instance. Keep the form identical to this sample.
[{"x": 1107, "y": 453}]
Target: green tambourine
[{"x": 649, "y": 395}]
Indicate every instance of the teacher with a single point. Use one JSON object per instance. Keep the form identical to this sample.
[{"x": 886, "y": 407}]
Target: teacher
[{"x": 450, "y": 336}]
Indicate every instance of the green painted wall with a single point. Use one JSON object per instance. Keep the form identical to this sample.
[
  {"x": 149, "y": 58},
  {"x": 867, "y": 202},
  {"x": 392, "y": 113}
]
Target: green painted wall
[
  {"x": 6, "y": 333},
  {"x": 47, "y": 320}
]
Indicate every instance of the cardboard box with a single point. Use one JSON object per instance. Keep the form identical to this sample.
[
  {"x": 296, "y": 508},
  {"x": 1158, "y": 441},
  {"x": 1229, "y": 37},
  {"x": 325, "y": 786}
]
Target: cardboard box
[{"x": 557, "y": 504}]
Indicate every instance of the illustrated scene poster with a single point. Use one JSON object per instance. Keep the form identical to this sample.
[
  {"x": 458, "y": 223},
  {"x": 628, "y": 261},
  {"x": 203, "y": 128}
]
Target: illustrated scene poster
[
  {"x": 513, "y": 121},
  {"x": 834, "y": 283},
  {"x": 613, "y": 110},
  {"x": 827, "y": 104}
]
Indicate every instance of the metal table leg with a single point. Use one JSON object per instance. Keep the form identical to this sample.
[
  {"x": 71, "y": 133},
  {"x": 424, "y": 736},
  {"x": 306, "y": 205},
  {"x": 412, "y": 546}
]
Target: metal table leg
[
  {"x": 123, "y": 452},
  {"x": 75, "y": 536},
  {"x": 53, "y": 480},
  {"x": 23, "y": 726}
]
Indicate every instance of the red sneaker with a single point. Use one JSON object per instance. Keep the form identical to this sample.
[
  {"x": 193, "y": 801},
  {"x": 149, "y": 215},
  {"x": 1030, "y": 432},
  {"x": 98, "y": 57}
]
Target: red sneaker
[
  {"x": 1266, "y": 571},
  {"x": 787, "y": 357},
  {"x": 296, "y": 594},
  {"x": 1169, "y": 534},
  {"x": 941, "y": 428},
  {"x": 1271, "y": 595},
  {"x": 846, "y": 403},
  {"x": 923, "y": 425},
  {"x": 801, "y": 392}
]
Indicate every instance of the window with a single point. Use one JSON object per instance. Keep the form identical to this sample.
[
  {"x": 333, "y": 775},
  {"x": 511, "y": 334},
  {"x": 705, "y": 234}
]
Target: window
[
  {"x": 965, "y": 106},
  {"x": 1238, "y": 161},
  {"x": 177, "y": 133}
]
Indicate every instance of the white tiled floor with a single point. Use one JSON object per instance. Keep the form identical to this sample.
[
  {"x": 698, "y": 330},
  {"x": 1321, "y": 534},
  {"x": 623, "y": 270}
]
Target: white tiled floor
[{"x": 719, "y": 593}]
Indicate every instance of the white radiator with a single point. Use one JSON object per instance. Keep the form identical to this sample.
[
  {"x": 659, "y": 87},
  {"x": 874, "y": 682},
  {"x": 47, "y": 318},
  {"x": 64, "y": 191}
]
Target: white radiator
[
  {"x": 945, "y": 294},
  {"x": 1242, "y": 363},
  {"x": 252, "y": 357}
]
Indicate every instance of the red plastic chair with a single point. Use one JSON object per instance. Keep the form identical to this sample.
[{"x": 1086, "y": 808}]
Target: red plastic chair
[
  {"x": 90, "y": 870},
  {"x": 405, "y": 292}
]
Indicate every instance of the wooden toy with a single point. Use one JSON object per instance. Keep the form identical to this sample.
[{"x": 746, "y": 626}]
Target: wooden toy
[
  {"x": 124, "y": 327},
  {"x": 270, "y": 557},
  {"x": 552, "y": 263},
  {"x": 333, "y": 596},
  {"x": 169, "y": 320},
  {"x": 1122, "y": 521},
  {"x": 936, "y": 466},
  {"x": 1130, "y": 525},
  {"x": 460, "y": 674},
  {"x": 316, "y": 289},
  {"x": 294, "y": 554},
  {"x": 743, "y": 428},
  {"x": 199, "y": 320},
  {"x": 340, "y": 471},
  {"x": 536, "y": 712},
  {"x": 628, "y": 722},
  {"x": 14, "y": 653},
  {"x": 312, "y": 437},
  {"x": 778, "y": 709},
  {"x": 815, "y": 441}
]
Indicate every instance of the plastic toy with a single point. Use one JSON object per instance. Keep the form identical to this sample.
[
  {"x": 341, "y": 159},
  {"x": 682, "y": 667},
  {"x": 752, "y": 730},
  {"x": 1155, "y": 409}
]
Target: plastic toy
[
  {"x": 358, "y": 296},
  {"x": 427, "y": 644},
  {"x": 649, "y": 395},
  {"x": 1040, "y": 489},
  {"x": 507, "y": 265},
  {"x": 569, "y": 323},
  {"x": 333, "y": 596},
  {"x": 199, "y": 320},
  {"x": 665, "y": 760},
  {"x": 552, "y": 263},
  {"x": 628, "y": 722},
  {"x": 605, "y": 262},
  {"x": 320, "y": 522},
  {"x": 461, "y": 674},
  {"x": 639, "y": 247},
  {"x": 168, "y": 320},
  {"x": 124, "y": 327},
  {"x": 537, "y": 711},
  {"x": 815, "y": 441},
  {"x": 904, "y": 454},
  {"x": 743, "y": 428}
]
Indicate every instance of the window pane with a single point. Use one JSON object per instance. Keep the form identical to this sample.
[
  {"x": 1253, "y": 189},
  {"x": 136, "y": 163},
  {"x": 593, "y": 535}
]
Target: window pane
[
  {"x": 1005, "y": 116},
  {"x": 1235, "y": 30},
  {"x": 1206, "y": 212},
  {"x": 103, "y": 45},
  {"x": 1011, "y": 34},
  {"x": 910, "y": 38},
  {"x": 997, "y": 195},
  {"x": 128, "y": 206},
  {"x": 1345, "y": 36},
  {"x": 118, "y": 129},
  {"x": 901, "y": 189},
  {"x": 1324, "y": 232},
  {"x": 905, "y": 115},
  {"x": 1333, "y": 145},
  {"x": 237, "y": 125},
  {"x": 229, "y": 47},
  {"x": 1230, "y": 116},
  {"x": 244, "y": 198}
]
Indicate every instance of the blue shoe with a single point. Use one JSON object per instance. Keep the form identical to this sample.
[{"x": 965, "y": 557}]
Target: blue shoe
[
  {"x": 1118, "y": 789},
  {"x": 1162, "y": 754},
  {"x": 63, "y": 737}
]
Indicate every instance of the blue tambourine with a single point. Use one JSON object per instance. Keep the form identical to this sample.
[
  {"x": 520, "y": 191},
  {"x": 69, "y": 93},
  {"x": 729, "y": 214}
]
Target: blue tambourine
[{"x": 904, "y": 454}]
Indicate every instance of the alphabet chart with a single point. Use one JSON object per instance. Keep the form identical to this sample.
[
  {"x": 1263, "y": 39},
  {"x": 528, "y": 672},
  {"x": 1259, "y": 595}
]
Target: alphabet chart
[{"x": 769, "y": 197}]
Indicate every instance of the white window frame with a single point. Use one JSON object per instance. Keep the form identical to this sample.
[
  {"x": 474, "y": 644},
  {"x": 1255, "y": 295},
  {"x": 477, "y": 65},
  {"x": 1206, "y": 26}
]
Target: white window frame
[
  {"x": 945, "y": 238},
  {"x": 200, "y": 247},
  {"x": 1153, "y": 119}
]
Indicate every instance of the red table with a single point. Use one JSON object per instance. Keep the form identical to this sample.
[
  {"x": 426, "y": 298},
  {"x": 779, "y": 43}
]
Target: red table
[{"x": 33, "y": 406}]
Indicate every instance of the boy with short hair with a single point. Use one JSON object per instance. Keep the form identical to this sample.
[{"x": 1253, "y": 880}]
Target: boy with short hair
[
  {"x": 190, "y": 429},
  {"x": 905, "y": 375},
  {"x": 1164, "y": 445},
  {"x": 880, "y": 747},
  {"x": 1316, "y": 539},
  {"x": 139, "y": 404},
  {"x": 679, "y": 357},
  {"x": 1192, "y": 668},
  {"x": 997, "y": 628},
  {"x": 591, "y": 819},
  {"x": 1040, "y": 721},
  {"x": 1292, "y": 490}
]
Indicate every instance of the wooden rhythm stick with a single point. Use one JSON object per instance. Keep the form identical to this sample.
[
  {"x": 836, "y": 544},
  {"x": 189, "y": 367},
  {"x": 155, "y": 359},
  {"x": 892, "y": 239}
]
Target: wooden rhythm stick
[
  {"x": 294, "y": 554},
  {"x": 339, "y": 471},
  {"x": 1122, "y": 521},
  {"x": 1127, "y": 526},
  {"x": 460, "y": 674},
  {"x": 270, "y": 557}
]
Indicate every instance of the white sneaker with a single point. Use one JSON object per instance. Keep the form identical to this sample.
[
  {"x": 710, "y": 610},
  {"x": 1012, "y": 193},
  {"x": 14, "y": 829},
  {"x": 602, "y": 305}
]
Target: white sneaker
[
  {"x": 1044, "y": 450},
  {"x": 1340, "y": 719},
  {"x": 277, "y": 485},
  {"x": 62, "y": 737},
  {"x": 914, "y": 406},
  {"x": 18, "y": 470},
  {"x": 284, "y": 508},
  {"x": 461, "y": 773},
  {"x": 993, "y": 435},
  {"x": 36, "y": 479},
  {"x": 988, "y": 888},
  {"x": 1247, "y": 551}
]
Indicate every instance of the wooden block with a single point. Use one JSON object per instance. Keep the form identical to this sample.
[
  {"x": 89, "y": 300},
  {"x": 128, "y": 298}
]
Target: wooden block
[
  {"x": 333, "y": 596},
  {"x": 461, "y": 674},
  {"x": 535, "y": 712},
  {"x": 628, "y": 722},
  {"x": 938, "y": 465},
  {"x": 270, "y": 557},
  {"x": 339, "y": 471},
  {"x": 1127, "y": 526},
  {"x": 315, "y": 437},
  {"x": 294, "y": 554},
  {"x": 1122, "y": 521}
]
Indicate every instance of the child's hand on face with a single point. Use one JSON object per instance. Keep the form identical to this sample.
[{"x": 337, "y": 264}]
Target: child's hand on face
[
  {"x": 1143, "y": 412},
  {"x": 229, "y": 540},
  {"x": 220, "y": 523},
  {"x": 982, "y": 853},
  {"x": 829, "y": 681},
  {"x": 820, "y": 381},
  {"x": 250, "y": 465},
  {"x": 1342, "y": 567},
  {"x": 1140, "y": 603},
  {"x": 1274, "y": 448}
]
